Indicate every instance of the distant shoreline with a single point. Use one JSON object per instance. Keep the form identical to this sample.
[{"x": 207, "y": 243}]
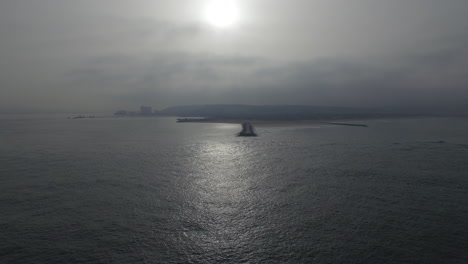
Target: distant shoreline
[
  {"x": 358, "y": 121},
  {"x": 266, "y": 123}
]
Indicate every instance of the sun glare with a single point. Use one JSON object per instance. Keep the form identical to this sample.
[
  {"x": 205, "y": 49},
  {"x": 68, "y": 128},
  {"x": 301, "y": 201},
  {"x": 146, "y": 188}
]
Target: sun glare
[{"x": 222, "y": 13}]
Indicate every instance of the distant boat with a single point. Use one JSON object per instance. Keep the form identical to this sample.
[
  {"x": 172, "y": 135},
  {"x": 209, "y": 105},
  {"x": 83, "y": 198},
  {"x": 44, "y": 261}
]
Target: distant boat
[{"x": 247, "y": 130}]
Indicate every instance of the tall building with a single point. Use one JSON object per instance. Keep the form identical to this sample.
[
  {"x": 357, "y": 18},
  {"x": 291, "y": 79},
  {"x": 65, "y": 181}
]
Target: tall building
[{"x": 146, "y": 110}]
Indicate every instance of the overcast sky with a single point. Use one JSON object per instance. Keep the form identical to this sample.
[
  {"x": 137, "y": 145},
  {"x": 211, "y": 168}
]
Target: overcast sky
[{"x": 105, "y": 55}]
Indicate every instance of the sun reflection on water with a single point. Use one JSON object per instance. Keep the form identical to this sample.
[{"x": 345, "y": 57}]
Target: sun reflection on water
[{"x": 223, "y": 198}]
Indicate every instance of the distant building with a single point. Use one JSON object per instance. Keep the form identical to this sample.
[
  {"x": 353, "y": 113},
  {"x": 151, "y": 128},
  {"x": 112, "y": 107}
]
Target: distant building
[{"x": 146, "y": 110}]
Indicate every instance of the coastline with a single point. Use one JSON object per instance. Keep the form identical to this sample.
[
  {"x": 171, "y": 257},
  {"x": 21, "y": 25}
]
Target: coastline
[
  {"x": 358, "y": 121},
  {"x": 274, "y": 123}
]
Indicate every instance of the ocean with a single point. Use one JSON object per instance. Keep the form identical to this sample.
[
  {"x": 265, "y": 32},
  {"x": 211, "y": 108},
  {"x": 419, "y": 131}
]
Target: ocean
[{"x": 150, "y": 190}]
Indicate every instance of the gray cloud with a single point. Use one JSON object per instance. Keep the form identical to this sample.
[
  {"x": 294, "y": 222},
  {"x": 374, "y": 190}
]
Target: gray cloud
[
  {"x": 103, "y": 55},
  {"x": 425, "y": 79}
]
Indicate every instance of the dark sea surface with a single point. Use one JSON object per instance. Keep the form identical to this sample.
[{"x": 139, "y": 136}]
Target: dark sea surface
[{"x": 149, "y": 190}]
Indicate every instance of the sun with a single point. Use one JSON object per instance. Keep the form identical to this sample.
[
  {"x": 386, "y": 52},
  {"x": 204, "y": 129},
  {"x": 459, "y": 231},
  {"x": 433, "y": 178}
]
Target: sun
[{"x": 222, "y": 13}]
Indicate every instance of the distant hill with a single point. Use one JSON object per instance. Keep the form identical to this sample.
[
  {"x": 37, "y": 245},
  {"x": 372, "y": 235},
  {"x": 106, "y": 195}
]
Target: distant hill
[{"x": 268, "y": 112}]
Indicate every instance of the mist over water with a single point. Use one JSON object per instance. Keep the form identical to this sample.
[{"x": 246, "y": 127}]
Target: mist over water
[{"x": 149, "y": 190}]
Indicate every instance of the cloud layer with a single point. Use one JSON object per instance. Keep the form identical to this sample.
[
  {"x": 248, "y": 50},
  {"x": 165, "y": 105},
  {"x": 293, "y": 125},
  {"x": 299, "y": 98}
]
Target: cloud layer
[{"x": 104, "y": 55}]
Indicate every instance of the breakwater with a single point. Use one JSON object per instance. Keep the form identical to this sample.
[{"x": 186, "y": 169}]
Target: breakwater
[{"x": 345, "y": 124}]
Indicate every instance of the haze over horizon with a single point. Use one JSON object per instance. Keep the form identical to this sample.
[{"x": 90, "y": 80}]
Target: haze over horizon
[{"x": 106, "y": 55}]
